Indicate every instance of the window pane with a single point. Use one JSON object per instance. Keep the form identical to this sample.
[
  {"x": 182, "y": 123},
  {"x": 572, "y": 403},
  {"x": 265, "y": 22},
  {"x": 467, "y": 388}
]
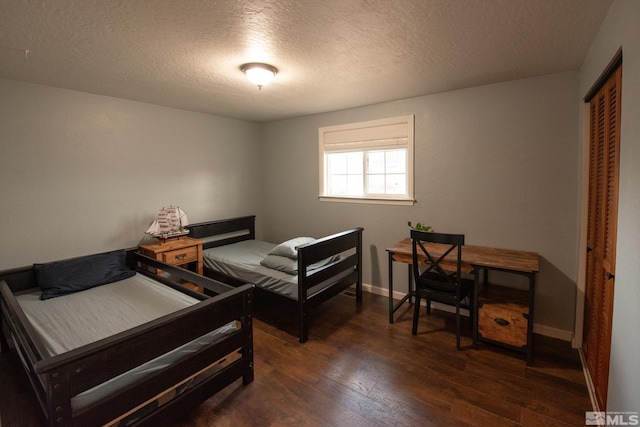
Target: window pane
[
  {"x": 396, "y": 184},
  {"x": 375, "y": 162},
  {"x": 354, "y": 185},
  {"x": 345, "y": 174},
  {"x": 337, "y": 163},
  {"x": 375, "y": 184},
  {"x": 354, "y": 161},
  {"x": 396, "y": 161},
  {"x": 386, "y": 172},
  {"x": 338, "y": 185}
]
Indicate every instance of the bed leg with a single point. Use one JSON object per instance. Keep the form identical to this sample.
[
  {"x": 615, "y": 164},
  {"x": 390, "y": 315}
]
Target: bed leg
[
  {"x": 4, "y": 345},
  {"x": 248, "y": 375},
  {"x": 304, "y": 329},
  {"x": 359, "y": 282},
  {"x": 247, "y": 325}
]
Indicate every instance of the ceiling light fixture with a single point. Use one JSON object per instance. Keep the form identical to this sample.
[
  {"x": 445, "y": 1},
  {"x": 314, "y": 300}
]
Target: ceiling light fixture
[{"x": 258, "y": 73}]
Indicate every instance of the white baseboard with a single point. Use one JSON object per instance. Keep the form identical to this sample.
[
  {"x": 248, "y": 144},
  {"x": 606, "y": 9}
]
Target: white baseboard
[
  {"x": 548, "y": 331},
  {"x": 378, "y": 291},
  {"x": 590, "y": 387}
]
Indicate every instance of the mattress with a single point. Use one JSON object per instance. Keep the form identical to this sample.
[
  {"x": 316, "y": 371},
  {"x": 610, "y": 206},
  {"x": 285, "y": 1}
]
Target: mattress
[
  {"x": 74, "y": 320},
  {"x": 242, "y": 260},
  {"x": 81, "y": 318}
]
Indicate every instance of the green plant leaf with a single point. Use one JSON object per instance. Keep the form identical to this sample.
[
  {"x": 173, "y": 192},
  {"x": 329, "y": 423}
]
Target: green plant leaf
[{"x": 419, "y": 226}]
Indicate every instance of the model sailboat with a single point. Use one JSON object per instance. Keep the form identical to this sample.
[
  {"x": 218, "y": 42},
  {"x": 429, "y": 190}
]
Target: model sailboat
[{"x": 171, "y": 223}]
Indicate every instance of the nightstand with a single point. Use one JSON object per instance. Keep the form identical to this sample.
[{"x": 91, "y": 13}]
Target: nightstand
[{"x": 184, "y": 252}]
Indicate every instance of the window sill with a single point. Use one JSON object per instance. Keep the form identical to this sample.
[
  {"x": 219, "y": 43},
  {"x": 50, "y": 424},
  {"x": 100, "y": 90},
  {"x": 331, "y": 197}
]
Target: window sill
[{"x": 366, "y": 200}]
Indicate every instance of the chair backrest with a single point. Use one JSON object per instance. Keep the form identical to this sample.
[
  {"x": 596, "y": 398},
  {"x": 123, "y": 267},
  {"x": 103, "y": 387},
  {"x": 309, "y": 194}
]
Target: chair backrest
[{"x": 442, "y": 265}]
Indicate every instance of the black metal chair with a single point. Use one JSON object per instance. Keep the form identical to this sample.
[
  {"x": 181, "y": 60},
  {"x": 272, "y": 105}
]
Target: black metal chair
[{"x": 441, "y": 279}]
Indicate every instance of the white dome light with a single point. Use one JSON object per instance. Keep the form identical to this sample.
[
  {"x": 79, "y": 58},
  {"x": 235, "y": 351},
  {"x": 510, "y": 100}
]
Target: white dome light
[{"x": 259, "y": 74}]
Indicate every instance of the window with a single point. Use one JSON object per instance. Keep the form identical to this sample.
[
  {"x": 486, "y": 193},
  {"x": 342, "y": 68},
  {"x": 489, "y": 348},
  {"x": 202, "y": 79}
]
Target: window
[{"x": 368, "y": 162}]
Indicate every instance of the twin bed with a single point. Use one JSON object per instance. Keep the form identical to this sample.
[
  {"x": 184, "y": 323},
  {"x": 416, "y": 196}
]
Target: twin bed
[
  {"x": 291, "y": 278},
  {"x": 104, "y": 341}
]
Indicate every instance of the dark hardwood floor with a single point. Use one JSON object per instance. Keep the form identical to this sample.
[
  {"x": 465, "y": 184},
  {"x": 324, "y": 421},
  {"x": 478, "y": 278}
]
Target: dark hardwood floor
[{"x": 359, "y": 370}]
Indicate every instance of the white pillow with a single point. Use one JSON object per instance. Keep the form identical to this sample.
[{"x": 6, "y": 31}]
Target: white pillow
[
  {"x": 290, "y": 266},
  {"x": 281, "y": 263},
  {"x": 288, "y": 248}
]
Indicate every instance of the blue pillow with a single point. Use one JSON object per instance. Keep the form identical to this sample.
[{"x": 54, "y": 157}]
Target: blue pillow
[{"x": 65, "y": 277}]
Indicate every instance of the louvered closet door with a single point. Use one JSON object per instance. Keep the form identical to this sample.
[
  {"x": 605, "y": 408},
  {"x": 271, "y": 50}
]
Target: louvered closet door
[{"x": 601, "y": 234}]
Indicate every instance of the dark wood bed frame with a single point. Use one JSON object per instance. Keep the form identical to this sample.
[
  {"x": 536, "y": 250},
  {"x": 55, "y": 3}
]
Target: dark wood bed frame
[
  {"x": 291, "y": 314},
  {"x": 57, "y": 379}
]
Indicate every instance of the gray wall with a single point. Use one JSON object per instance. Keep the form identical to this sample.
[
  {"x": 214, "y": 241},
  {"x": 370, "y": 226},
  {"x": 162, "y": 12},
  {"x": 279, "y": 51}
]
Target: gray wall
[
  {"x": 499, "y": 163},
  {"x": 621, "y": 28},
  {"x": 81, "y": 173}
]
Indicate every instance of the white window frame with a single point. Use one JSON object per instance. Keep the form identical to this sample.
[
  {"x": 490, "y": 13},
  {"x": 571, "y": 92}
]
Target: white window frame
[{"x": 389, "y": 133}]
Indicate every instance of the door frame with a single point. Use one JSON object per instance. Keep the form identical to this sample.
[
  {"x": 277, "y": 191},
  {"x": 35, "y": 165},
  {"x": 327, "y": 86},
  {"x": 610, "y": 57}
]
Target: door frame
[
  {"x": 581, "y": 285},
  {"x": 576, "y": 341},
  {"x": 578, "y": 333}
]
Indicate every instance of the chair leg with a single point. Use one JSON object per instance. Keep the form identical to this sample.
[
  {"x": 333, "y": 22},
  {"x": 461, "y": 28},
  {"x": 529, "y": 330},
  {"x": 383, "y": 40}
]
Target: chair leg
[
  {"x": 428, "y": 306},
  {"x": 416, "y": 314},
  {"x": 471, "y": 316}
]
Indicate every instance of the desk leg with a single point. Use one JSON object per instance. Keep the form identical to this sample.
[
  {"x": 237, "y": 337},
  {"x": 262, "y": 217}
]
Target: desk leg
[
  {"x": 485, "y": 281},
  {"x": 390, "y": 288},
  {"x": 409, "y": 296},
  {"x": 532, "y": 291},
  {"x": 476, "y": 298}
]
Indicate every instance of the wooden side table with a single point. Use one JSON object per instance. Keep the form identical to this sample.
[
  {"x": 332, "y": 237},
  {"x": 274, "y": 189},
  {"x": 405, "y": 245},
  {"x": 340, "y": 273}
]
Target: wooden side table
[{"x": 184, "y": 252}]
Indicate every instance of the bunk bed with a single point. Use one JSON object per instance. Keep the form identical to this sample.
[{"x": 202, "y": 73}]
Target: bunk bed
[
  {"x": 182, "y": 350},
  {"x": 291, "y": 278}
]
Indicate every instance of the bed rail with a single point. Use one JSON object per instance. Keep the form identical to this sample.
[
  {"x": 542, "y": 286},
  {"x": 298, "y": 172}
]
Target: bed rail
[{"x": 225, "y": 231}]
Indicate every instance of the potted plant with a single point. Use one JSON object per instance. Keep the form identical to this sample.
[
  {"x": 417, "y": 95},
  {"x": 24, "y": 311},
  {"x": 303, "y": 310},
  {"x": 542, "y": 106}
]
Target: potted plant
[{"x": 420, "y": 227}]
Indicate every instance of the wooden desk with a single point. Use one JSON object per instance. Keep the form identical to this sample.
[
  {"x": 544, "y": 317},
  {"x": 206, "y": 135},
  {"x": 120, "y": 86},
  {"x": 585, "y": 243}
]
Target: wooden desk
[{"x": 476, "y": 259}]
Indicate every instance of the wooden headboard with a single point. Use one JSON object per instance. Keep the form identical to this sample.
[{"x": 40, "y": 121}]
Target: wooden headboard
[{"x": 224, "y": 231}]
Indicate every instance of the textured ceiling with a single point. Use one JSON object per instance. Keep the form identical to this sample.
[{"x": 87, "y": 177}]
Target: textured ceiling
[{"x": 331, "y": 54}]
